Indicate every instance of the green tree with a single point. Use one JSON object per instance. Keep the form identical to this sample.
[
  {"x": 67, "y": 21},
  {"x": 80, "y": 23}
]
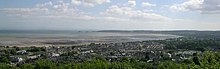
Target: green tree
[
  {"x": 4, "y": 59},
  {"x": 120, "y": 65},
  {"x": 95, "y": 64},
  {"x": 6, "y": 66},
  {"x": 92, "y": 44},
  {"x": 45, "y": 64},
  {"x": 196, "y": 60},
  {"x": 26, "y": 66},
  {"x": 171, "y": 65}
]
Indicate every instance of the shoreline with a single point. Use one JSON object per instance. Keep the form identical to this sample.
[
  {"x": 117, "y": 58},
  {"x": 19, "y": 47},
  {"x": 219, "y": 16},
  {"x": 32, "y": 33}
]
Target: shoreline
[{"x": 81, "y": 44}]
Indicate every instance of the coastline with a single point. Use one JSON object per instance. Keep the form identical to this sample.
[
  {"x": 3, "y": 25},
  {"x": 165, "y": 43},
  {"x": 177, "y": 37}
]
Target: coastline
[{"x": 29, "y": 39}]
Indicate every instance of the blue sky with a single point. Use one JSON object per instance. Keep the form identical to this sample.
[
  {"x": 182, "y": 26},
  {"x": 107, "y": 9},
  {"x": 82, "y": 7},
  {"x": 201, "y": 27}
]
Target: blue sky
[{"x": 110, "y": 14}]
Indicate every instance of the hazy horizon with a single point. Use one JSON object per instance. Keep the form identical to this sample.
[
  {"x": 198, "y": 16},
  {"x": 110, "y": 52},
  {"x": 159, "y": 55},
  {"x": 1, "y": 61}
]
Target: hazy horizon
[{"x": 95, "y": 30}]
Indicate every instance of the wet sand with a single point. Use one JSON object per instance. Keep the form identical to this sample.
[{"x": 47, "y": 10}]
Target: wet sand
[{"x": 74, "y": 39}]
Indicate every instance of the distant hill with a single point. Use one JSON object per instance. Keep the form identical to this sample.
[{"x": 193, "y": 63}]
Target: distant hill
[{"x": 192, "y": 33}]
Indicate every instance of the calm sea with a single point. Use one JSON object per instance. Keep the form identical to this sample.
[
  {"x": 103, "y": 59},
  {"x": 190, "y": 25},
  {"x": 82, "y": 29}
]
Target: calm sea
[{"x": 45, "y": 37}]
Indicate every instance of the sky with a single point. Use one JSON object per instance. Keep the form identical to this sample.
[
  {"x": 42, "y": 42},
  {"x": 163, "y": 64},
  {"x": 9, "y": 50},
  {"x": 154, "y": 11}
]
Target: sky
[{"x": 109, "y": 14}]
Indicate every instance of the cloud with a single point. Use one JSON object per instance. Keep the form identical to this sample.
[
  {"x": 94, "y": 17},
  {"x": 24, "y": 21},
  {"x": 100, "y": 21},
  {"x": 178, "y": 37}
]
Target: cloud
[
  {"x": 62, "y": 9},
  {"x": 24, "y": 11},
  {"x": 49, "y": 3},
  {"x": 187, "y": 6},
  {"x": 211, "y": 7},
  {"x": 112, "y": 19},
  {"x": 204, "y": 6},
  {"x": 131, "y": 3},
  {"x": 146, "y": 4},
  {"x": 57, "y": 9},
  {"x": 76, "y": 2},
  {"x": 128, "y": 12},
  {"x": 97, "y": 1},
  {"x": 89, "y": 3}
]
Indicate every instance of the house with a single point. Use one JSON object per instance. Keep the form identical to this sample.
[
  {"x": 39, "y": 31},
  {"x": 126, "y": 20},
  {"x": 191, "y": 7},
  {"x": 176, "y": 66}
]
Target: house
[
  {"x": 55, "y": 55},
  {"x": 15, "y": 59},
  {"x": 33, "y": 57},
  {"x": 21, "y": 52}
]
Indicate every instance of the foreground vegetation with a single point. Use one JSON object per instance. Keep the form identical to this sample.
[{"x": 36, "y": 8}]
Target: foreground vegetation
[{"x": 210, "y": 60}]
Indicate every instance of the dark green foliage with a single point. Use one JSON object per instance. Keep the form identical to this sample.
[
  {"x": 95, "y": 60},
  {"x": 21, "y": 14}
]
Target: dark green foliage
[
  {"x": 69, "y": 53},
  {"x": 4, "y": 59},
  {"x": 97, "y": 57},
  {"x": 16, "y": 48},
  {"x": 171, "y": 65},
  {"x": 27, "y": 66},
  {"x": 187, "y": 61},
  {"x": 196, "y": 60},
  {"x": 45, "y": 64},
  {"x": 6, "y": 66},
  {"x": 92, "y": 44},
  {"x": 95, "y": 64},
  {"x": 125, "y": 59},
  {"x": 210, "y": 60},
  {"x": 66, "y": 66},
  {"x": 122, "y": 65},
  {"x": 141, "y": 65},
  {"x": 190, "y": 43},
  {"x": 36, "y": 49}
]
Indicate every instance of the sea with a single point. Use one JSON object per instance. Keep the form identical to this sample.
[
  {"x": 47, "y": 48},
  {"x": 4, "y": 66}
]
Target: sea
[{"x": 71, "y": 38}]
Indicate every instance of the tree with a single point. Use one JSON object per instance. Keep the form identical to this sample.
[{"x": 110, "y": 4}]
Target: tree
[
  {"x": 27, "y": 66},
  {"x": 125, "y": 59},
  {"x": 92, "y": 44},
  {"x": 5, "y": 66},
  {"x": 95, "y": 64},
  {"x": 171, "y": 65},
  {"x": 45, "y": 64},
  {"x": 98, "y": 57},
  {"x": 4, "y": 59},
  {"x": 196, "y": 60}
]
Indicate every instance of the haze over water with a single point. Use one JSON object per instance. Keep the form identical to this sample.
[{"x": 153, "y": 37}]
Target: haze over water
[{"x": 45, "y": 38}]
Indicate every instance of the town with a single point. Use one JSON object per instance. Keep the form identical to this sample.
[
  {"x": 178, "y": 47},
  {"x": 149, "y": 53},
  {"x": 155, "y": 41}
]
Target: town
[{"x": 152, "y": 51}]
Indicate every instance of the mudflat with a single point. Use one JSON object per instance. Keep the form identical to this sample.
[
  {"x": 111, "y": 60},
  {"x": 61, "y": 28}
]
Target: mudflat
[{"x": 71, "y": 38}]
